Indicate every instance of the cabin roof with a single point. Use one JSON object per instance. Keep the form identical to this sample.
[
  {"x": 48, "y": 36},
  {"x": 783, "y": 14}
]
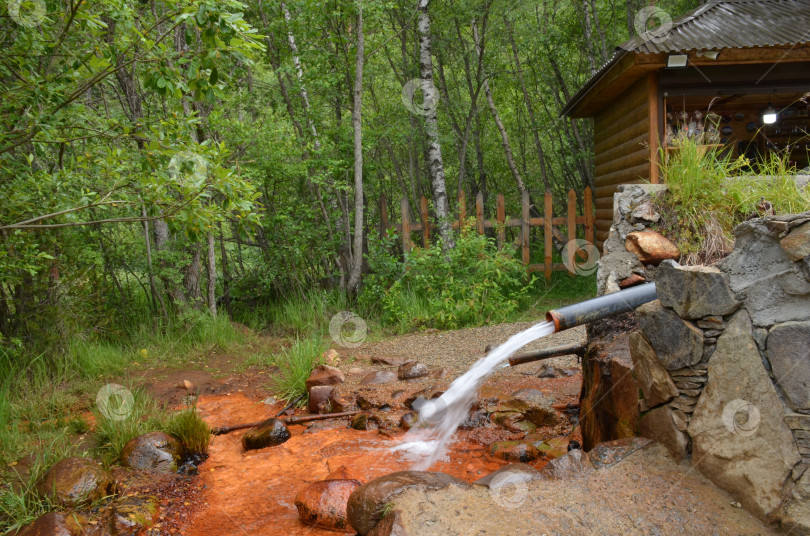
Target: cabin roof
[{"x": 716, "y": 25}]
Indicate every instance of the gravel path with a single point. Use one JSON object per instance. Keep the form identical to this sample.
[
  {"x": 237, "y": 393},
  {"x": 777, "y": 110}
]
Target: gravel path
[{"x": 459, "y": 349}]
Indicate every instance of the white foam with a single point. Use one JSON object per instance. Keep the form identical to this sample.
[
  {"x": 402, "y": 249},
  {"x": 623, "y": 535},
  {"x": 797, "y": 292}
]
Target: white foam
[{"x": 440, "y": 418}]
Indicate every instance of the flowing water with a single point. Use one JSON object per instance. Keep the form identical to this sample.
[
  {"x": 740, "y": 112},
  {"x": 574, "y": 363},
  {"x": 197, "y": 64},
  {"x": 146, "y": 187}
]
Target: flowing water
[{"x": 442, "y": 416}]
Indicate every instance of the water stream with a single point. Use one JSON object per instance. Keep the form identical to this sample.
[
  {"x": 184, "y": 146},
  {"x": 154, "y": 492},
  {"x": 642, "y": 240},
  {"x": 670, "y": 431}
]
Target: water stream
[{"x": 441, "y": 417}]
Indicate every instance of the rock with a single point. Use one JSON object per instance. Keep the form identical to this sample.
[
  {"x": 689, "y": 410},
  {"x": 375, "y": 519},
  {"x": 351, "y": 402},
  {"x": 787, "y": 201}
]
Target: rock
[
  {"x": 320, "y": 398},
  {"x": 695, "y": 291},
  {"x": 533, "y": 405},
  {"x": 612, "y": 452},
  {"x": 343, "y": 473},
  {"x": 389, "y": 361},
  {"x": 53, "y": 524},
  {"x": 651, "y": 247},
  {"x": 788, "y": 351},
  {"x": 609, "y": 401},
  {"x": 796, "y": 510},
  {"x": 441, "y": 373},
  {"x": 711, "y": 322},
  {"x": 268, "y": 433},
  {"x": 367, "y": 503},
  {"x": 510, "y": 473},
  {"x": 771, "y": 284},
  {"x": 411, "y": 370},
  {"x": 323, "y": 503},
  {"x": 133, "y": 514},
  {"x": 379, "y": 376},
  {"x": 331, "y": 357},
  {"x": 547, "y": 371},
  {"x": 797, "y": 243},
  {"x": 360, "y": 421},
  {"x": 680, "y": 419},
  {"x": 761, "y": 338},
  {"x": 514, "y": 451},
  {"x": 798, "y": 421},
  {"x": 325, "y": 375},
  {"x": 74, "y": 481},
  {"x": 572, "y": 464},
  {"x": 739, "y": 439},
  {"x": 390, "y": 525},
  {"x": 652, "y": 377},
  {"x": 337, "y": 402},
  {"x": 660, "y": 424},
  {"x": 187, "y": 385},
  {"x": 632, "y": 281},
  {"x": 676, "y": 342},
  {"x": 155, "y": 451},
  {"x": 408, "y": 419}
]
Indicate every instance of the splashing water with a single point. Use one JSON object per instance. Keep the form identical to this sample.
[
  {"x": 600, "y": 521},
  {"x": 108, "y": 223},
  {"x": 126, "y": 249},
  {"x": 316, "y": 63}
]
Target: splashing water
[{"x": 443, "y": 415}]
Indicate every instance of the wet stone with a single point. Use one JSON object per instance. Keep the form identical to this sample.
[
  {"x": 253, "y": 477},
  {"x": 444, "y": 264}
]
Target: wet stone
[
  {"x": 323, "y": 503},
  {"x": 534, "y": 406},
  {"x": 408, "y": 419},
  {"x": 155, "y": 451},
  {"x": 325, "y": 375},
  {"x": 132, "y": 514},
  {"x": 514, "y": 451},
  {"x": 53, "y": 524},
  {"x": 269, "y": 433},
  {"x": 380, "y": 376},
  {"x": 612, "y": 452},
  {"x": 75, "y": 481},
  {"x": 573, "y": 464},
  {"x": 320, "y": 399},
  {"x": 412, "y": 370}
]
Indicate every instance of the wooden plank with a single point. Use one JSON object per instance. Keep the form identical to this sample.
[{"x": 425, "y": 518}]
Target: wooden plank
[
  {"x": 572, "y": 229},
  {"x": 423, "y": 209},
  {"x": 501, "y": 216},
  {"x": 624, "y": 176},
  {"x": 479, "y": 212},
  {"x": 525, "y": 207},
  {"x": 557, "y": 267},
  {"x": 655, "y": 135},
  {"x": 588, "y": 215},
  {"x": 514, "y": 222},
  {"x": 547, "y": 234},
  {"x": 406, "y": 226},
  {"x": 606, "y": 141},
  {"x": 621, "y": 117},
  {"x": 383, "y": 215},
  {"x": 621, "y": 149}
]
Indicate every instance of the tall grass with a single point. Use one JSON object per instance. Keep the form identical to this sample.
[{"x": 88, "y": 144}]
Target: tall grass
[{"x": 294, "y": 366}]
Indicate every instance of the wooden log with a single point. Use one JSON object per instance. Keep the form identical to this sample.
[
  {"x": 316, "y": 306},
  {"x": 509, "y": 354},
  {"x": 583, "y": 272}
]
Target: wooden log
[
  {"x": 425, "y": 223},
  {"x": 620, "y": 149},
  {"x": 588, "y": 214},
  {"x": 501, "y": 216},
  {"x": 289, "y": 420},
  {"x": 525, "y": 208},
  {"x": 479, "y": 212},
  {"x": 547, "y": 236},
  {"x": 655, "y": 133},
  {"x": 406, "y": 226}
]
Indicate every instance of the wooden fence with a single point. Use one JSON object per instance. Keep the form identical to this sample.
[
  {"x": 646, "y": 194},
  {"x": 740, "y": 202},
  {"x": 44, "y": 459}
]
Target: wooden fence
[{"x": 548, "y": 222}]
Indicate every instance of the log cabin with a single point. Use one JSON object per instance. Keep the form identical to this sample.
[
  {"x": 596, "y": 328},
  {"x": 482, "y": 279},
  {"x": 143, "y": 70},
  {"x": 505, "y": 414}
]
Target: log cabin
[{"x": 734, "y": 74}]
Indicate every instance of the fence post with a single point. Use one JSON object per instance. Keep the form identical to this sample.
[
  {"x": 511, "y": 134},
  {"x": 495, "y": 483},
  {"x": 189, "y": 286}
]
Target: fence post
[
  {"x": 588, "y": 215},
  {"x": 425, "y": 223},
  {"x": 501, "y": 215},
  {"x": 479, "y": 211},
  {"x": 383, "y": 215},
  {"x": 547, "y": 234},
  {"x": 462, "y": 209},
  {"x": 572, "y": 230},
  {"x": 406, "y": 226},
  {"x": 525, "y": 208}
]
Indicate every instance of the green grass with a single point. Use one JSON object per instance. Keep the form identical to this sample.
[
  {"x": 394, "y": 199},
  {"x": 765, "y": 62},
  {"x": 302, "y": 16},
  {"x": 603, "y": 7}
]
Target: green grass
[
  {"x": 188, "y": 427},
  {"x": 294, "y": 366}
]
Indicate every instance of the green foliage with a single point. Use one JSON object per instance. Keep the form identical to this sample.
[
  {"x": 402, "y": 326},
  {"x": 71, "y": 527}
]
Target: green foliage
[
  {"x": 294, "y": 366},
  {"x": 188, "y": 427},
  {"x": 472, "y": 284},
  {"x": 111, "y": 434},
  {"x": 709, "y": 193}
]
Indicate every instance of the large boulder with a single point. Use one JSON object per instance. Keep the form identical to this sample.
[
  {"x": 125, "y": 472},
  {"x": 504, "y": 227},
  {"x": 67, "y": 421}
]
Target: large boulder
[
  {"x": 772, "y": 285},
  {"x": 573, "y": 464},
  {"x": 651, "y": 247},
  {"x": 661, "y": 425},
  {"x": 155, "y": 451},
  {"x": 795, "y": 516},
  {"x": 609, "y": 399},
  {"x": 652, "y": 377},
  {"x": 739, "y": 438},
  {"x": 323, "y": 503},
  {"x": 368, "y": 502},
  {"x": 677, "y": 343},
  {"x": 268, "y": 433},
  {"x": 512, "y": 472},
  {"x": 788, "y": 350},
  {"x": 694, "y": 291},
  {"x": 74, "y": 481},
  {"x": 53, "y": 524}
]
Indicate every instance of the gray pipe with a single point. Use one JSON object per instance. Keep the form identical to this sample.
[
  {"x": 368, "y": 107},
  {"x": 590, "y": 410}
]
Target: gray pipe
[{"x": 602, "y": 307}]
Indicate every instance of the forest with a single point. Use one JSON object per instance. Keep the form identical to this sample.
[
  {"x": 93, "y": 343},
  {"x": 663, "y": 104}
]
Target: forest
[{"x": 166, "y": 159}]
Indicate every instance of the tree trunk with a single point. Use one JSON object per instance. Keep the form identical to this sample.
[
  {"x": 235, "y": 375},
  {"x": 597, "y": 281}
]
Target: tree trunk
[
  {"x": 435, "y": 163},
  {"x": 156, "y": 296},
  {"x": 226, "y": 276},
  {"x": 212, "y": 275},
  {"x": 357, "y": 126}
]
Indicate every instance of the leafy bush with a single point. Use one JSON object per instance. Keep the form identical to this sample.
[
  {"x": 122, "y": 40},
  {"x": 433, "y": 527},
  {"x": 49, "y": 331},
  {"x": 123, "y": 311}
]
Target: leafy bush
[{"x": 471, "y": 284}]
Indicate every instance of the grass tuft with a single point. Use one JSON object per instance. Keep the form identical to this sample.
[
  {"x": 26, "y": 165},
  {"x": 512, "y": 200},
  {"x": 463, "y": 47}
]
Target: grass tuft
[
  {"x": 294, "y": 366},
  {"x": 188, "y": 427}
]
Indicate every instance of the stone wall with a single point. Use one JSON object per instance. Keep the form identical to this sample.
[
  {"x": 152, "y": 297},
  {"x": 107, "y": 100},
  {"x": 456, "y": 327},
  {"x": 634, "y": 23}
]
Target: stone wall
[{"x": 722, "y": 362}]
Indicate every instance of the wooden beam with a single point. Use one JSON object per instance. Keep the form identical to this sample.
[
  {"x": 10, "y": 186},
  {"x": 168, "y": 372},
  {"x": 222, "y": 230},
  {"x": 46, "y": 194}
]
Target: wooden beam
[
  {"x": 547, "y": 235},
  {"x": 654, "y": 133}
]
